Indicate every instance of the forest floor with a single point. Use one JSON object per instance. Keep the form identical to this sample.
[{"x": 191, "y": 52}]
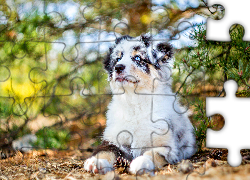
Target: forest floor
[{"x": 68, "y": 164}]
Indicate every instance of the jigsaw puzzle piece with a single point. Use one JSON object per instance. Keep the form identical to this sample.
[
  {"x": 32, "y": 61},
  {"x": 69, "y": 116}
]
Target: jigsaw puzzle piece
[
  {"x": 91, "y": 104},
  {"x": 172, "y": 153},
  {"x": 185, "y": 166},
  {"x": 187, "y": 88},
  {"x": 126, "y": 138},
  {"x": 10, "y": 159},
  {"x": 98, "y": 165},
  {"x": 234, "y": 14},
  {"x": 182, "y": 33},
  {"x": 22, "y": 21},
  {"x": 15, "y": 68},
  {"x": 7, "y": 103},
  {"x": 200, "y": 172},
  {"x": 147, "y": 157},
  {"x": 96, "y": 84},
  {"x": 178, "y": 21},
  {"x": 74, "y": 85},
  {"x": 4, "y": 18},
  {"x": 143, "y": 161},
  {"x": 51, "y": 75},
  {"x": 97, "y": 16},
  {"x": 126, "y": 141},
  {"x": 187, "y": 81},
  {"x": 230, "y": 62},
  {"x": 87, "y": 111},
  {"x": 62, "y": 15},
  {"x": 225, "y": 138},
  {"x": 158, "y": 28},
  {"x": 145, "y": 19},
  {"x": 185, "y": 138},
  {"x": 51, "y": 160},
  {"x": 5, "y": 73},
  {"x": 52, "y": 138},
  {"x": 87, "y": 66},
  {"x": 162, "y": 79}
]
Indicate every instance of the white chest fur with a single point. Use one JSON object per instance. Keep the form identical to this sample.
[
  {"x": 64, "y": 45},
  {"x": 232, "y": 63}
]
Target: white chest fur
[{"x": 134, "y": 120}]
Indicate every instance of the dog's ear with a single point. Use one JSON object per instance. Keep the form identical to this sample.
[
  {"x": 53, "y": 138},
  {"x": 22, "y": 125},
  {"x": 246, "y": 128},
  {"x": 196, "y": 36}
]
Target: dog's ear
[
  {"x": 162, "y": 53},
  {"x": 165, "y": 50}
]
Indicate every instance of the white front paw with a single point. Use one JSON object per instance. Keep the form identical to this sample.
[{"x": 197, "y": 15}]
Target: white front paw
[
  {"x": 94, "y": 165},
  {"x": 142, "y": 164}
]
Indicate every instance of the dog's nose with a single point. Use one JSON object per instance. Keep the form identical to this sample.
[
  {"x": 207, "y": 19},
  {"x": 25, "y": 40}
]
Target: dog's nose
[{"x": 119, "y": 68}]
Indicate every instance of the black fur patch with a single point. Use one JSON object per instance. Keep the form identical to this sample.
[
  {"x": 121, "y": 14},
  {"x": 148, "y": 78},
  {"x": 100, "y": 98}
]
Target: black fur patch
[
  {"x": 106, "y": 146},
  {"x": 166, "y": 49},
  {"x": 146, "y": 40},
  {"x": 157, "y": 65},
  {"x": 154, "y": 53},
  {"x": 126, "y": 37},
  {"x": 107, "y": 62},
  {"x": 137, "y": 48}
]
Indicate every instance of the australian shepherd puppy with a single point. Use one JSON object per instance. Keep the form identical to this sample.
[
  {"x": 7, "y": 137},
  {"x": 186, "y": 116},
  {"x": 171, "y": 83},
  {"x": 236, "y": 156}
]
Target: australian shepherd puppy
[{"x": 144, "y": 121}]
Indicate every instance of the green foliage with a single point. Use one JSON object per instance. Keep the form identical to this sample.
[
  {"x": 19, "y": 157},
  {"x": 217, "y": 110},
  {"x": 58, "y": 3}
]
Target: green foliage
[
  {"x": 231, "y": 58},
  {"x": 201, "y": 121},
  {"x": 51, "y": 138},
  {"x": 5, "y": 109}
]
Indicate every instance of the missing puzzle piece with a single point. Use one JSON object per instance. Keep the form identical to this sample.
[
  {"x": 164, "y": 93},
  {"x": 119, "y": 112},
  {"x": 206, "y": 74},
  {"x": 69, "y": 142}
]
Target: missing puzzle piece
[
  {"x": 236, "y": 128},
  {"x": 234, "y": 13}
]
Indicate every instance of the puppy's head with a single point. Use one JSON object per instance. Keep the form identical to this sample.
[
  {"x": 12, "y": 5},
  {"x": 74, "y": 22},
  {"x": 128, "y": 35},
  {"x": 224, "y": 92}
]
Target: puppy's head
[{"x": 135, "y": 63}]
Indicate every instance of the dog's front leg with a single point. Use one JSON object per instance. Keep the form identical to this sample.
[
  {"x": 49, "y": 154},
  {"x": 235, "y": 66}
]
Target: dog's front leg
[
  {"x": 101, "y": 163},
  {"x": 104, "y": 157},
  {"x": 151, "y": 159}
]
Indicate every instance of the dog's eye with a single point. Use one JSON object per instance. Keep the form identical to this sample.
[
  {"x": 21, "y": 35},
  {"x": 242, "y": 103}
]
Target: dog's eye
[
  {"x": 118, "y": 59},
  {"x": 137, "y": 58}
]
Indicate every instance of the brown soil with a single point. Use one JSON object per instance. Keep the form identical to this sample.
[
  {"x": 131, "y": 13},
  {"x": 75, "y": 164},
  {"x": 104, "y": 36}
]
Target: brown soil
[{"x": 68, "y": 164}]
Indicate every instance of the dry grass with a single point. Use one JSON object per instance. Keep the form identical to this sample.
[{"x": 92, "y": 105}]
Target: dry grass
[{"x": 68, "y": 164}]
